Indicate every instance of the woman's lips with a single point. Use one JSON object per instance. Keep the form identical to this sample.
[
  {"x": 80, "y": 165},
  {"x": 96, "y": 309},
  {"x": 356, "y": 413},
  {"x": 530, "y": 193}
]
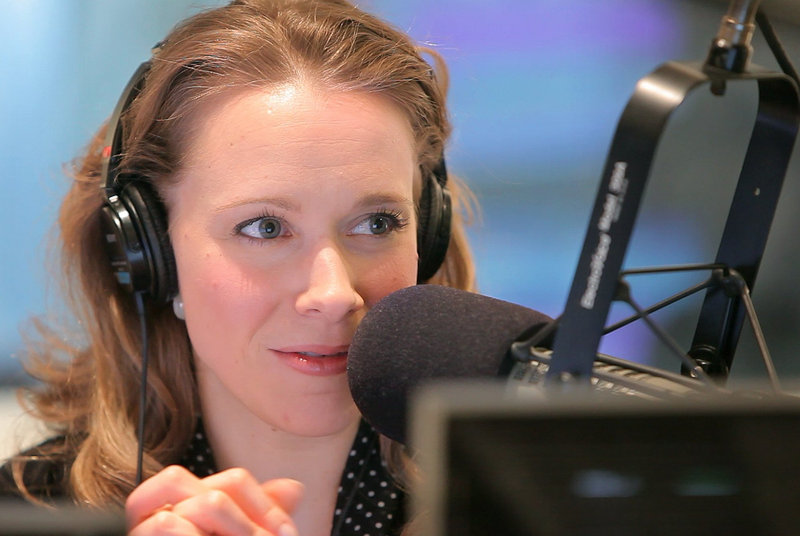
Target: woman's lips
[{"x": 315, "y": 361}]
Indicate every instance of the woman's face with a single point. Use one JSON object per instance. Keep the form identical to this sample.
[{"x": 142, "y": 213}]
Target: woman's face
[{"x": 292, "y": 215}]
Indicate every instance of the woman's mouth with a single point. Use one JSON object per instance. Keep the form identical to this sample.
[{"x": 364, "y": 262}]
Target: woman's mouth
[{"x": 315, "y": 363}]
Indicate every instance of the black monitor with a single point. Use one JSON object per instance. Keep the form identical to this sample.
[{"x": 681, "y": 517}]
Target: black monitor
[
  {"x": 592, "y": 466},
  {"x": 18, "y": 518}
]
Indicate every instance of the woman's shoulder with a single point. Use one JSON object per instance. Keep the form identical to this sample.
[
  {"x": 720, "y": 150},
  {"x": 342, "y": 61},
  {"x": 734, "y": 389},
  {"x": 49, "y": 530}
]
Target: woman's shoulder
[{"x": 44, "y": 470}]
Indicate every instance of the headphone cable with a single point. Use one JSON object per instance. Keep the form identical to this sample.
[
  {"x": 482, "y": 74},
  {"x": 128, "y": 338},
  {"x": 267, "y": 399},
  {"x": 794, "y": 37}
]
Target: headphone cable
[{"x": 142, "y": 388}]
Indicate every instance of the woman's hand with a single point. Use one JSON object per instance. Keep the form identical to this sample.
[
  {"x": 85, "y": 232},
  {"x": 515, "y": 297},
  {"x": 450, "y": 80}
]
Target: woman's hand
[{"x": 231, "y": 502}]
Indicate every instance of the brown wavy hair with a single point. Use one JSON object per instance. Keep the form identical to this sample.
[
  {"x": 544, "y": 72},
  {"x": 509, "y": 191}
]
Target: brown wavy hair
[{"x": 90, "y": 391}]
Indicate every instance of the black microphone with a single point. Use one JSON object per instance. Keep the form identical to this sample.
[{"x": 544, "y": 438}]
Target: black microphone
[{"x": 429, "y": 332}]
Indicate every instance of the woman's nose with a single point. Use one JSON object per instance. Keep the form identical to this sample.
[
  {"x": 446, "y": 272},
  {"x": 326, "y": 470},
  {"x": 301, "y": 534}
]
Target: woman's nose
[{"x": 329, "y": 291}]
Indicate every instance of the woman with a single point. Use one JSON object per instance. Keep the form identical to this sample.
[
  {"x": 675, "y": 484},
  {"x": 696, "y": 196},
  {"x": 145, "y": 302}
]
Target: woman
[{"x": 291, "y": 148}]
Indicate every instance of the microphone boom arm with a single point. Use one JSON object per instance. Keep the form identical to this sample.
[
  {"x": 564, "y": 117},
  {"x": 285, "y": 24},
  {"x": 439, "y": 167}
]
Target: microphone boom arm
[{"x": 627, "y": 169}]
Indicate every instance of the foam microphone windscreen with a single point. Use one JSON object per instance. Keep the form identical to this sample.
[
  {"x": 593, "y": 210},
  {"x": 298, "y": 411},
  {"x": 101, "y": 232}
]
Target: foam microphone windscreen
[{"x": 429, "y": 332}]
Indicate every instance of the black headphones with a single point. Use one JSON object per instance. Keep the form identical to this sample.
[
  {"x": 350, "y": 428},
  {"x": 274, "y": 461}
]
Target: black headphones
[
  {"x": 133, "y": 216},
  {"x": 435, "y": 215},
  {"x": 135, "y": 223}
]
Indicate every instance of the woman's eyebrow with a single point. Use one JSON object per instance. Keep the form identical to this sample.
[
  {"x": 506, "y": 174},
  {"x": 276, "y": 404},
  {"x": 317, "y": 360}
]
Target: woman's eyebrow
[
  {"x": 279, "y": 202},
  {"x": 384, "y": 199},
  {"x": 369, "y": 200}
]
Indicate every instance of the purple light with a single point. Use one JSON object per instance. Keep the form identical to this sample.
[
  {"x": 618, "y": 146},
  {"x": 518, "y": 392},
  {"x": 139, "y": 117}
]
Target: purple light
[{"x": 559, "y": 26}]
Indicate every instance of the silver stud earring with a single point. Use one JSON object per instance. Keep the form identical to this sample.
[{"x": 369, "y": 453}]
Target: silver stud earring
[{"x": 177, "y": 307}]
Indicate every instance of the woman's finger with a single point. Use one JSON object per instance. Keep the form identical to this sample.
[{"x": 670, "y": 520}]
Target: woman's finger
[
  {"x": 245, "y": 491},
  {"x": 270, "y": 505},
  {"x": 166, "y": 522},
  {"x": 229, "y": 502},
  {"x": 215, "y": 512},
  {"x": 169, "y": 486},
  {"x": 284, "y": 491}
]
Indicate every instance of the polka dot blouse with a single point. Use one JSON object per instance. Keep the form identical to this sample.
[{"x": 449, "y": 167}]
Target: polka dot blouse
[{"x": 368, "y": 504}]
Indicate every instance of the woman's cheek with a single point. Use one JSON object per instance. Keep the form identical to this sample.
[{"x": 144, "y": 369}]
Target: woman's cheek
[{"x": 389, "y": 276}]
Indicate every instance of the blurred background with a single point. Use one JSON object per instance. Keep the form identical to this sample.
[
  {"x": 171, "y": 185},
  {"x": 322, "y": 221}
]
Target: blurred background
[{"x": 537, "y": 87}]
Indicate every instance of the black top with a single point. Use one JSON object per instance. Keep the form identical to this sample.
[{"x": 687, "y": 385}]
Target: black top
[{"x": 368, "y": 503}]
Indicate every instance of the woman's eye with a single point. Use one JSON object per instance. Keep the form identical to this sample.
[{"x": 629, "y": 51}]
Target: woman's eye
[
  {"x": 266, "y": 227},
  {"x": 379, "y": 224}
]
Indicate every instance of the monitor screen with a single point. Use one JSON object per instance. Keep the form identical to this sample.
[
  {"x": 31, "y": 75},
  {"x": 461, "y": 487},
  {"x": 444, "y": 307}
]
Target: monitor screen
[
  {"x": 23, "y": 519},
  {"x": 596, "y": 466}
]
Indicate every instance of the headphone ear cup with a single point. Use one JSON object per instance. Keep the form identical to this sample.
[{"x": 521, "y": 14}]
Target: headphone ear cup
[
  {"x": 433, "y": 232},
  {"x": 138, "y": 243},
  {"x": 152, "y": 223}
]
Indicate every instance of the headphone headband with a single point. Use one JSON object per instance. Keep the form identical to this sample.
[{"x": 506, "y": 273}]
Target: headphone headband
[{"x": 112, "y": 148}]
